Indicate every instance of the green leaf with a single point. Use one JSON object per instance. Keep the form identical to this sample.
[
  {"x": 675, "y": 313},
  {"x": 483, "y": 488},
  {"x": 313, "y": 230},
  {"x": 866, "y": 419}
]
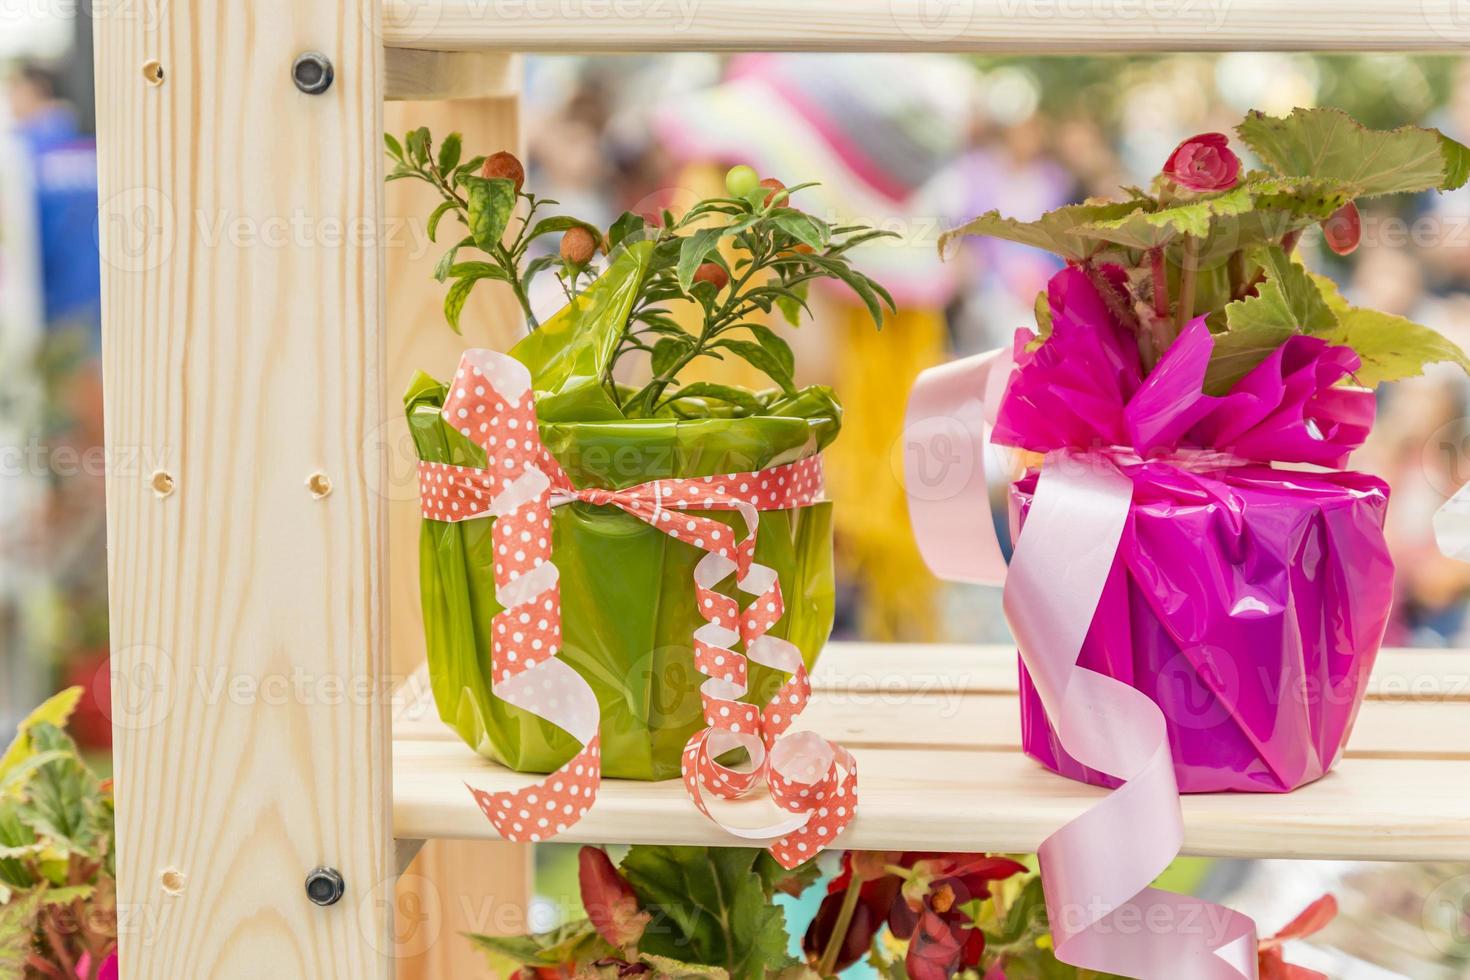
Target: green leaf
[
  {"x": 454, "y": 300},
  {"x": 1260, "y": 210},
  {"x": 449, "y": 152},
  {"x": 668, "y": 351},
  {"x": 68, "y": 894},
  {"x": 775, "y": 878},
  {"x": 709, "y": 907},
  {"x": 418, "y": 146},
  {"x": 1025, "y": 919},
  {"x": 802, "y": 227},
  {"x": 55, "y": 710},
  {"x": 1391, "y": 347},
  {"x": 1042, "y": 309},
  {"x": 468, "y": 168},
  {"x": 1055, "y": 231},
  {"x": 1328, "y": 144},
  {"x": 17, "y": 927},
  {"x": 64, "y": 804},
  {"x": 395, "y": 148},
  {"x": 872, "y": 294},
  {"x": 739, "y": 397},
  {"x": 479, "y": 270},
  {"x": 762, "y": 359},
  {"x": 792, "y": 302},
  {"x": 627, "y": 224},
  {"x": 14, "y": 780},
  {"x": 1287, "y": 302},
  {"x": 692, "y": 254},
  {"x": 666, "y": 968},
  {"x": 562, "y": 222},
  {"x": 575, "y": 942},
  {"x": 491, "y": 204},
  {"x": 1288, "y": 297},
  {"x": 439, "y": 212},
  {"x": 446, "y": 261},
  {"x": 774, "y": 344}
]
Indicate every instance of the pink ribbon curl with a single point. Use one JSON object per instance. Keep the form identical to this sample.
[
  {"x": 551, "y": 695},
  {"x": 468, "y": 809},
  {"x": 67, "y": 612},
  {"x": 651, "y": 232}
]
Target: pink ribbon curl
[
  {"x": 1097, "y": 869},
  {"x": 492, "y": 403}
]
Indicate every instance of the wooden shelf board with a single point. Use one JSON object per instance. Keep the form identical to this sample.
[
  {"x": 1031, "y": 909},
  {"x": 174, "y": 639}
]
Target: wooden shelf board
[
  {"x": 936, "y": 735},
  {"x": 1027, "y": 26}
]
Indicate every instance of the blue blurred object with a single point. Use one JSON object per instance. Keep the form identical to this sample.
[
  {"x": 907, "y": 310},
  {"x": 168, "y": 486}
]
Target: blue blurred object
[{"x": 64, "y": 169}]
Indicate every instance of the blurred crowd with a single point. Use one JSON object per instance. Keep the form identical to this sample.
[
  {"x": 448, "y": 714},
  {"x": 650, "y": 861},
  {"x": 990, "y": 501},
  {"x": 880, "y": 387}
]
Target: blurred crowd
[
  {"x": 917, "y": 143},
  {"x": 913, "y": 144}
]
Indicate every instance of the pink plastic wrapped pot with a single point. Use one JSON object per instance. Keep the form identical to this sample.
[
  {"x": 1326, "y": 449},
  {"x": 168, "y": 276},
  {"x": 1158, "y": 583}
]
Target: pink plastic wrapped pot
[{"x": 1247, "y": 600}]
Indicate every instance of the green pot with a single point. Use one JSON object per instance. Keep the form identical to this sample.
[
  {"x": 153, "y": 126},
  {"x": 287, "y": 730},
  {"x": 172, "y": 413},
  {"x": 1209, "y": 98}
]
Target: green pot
[{"x": 627, "y": 590}]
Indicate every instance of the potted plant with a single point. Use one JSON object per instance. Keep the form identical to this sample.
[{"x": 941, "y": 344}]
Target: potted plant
[
  {"x": 623, "y": 416},
  {"x": 1187, "y": 347}
]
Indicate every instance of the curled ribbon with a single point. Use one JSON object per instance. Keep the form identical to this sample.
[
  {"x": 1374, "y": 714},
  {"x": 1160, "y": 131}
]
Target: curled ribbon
[
  {"x": 491, "y": 403},
  {"x": 1096, "y": 870}
]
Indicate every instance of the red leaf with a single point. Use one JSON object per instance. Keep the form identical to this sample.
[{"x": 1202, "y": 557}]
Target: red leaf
[
  {"x": 609, "y": 899},
  {"x": 1314, "y": 918},
  {"x": 934, "y": 951}
]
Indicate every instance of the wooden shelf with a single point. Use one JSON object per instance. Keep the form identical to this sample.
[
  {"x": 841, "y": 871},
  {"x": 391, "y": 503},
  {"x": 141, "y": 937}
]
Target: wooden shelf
[
  {"x": 936, "y": 733},
  {"x": 1030, "y": 26}
]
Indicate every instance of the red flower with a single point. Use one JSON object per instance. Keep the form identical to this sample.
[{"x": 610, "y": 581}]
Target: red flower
[
  {"x": 1204, "y": 163},
  {"x": 928, "y": 906},
  {"x": 1314, "y": 918}
]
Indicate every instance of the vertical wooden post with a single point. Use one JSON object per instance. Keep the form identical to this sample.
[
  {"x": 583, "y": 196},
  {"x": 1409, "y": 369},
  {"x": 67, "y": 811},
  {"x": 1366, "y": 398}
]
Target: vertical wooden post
[
  {"x": 453, "y": 887},
  {"x": 243, "y": 360}
]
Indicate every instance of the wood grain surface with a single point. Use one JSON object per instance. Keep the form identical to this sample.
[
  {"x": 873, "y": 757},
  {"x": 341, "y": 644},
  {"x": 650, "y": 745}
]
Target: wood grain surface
[{"x": 243, "y": 360}]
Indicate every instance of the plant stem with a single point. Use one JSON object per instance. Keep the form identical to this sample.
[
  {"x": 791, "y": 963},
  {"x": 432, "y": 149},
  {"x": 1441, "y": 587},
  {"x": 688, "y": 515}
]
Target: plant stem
[
  {"x": 1237, "y": 273},
  {"x": 1117, "y": 304},
  {"x": 516, "y": 286},
  {"x": 1160, "y": 280},
  {"x": 838, "y": 939},
  {"x": 1188, "y": 279}
]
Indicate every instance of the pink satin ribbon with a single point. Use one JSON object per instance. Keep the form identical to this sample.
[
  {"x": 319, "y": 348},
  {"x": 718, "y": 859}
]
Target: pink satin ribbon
[
  {"x": 1097, "y": 869},
  {"x": 815, "y": 780}
]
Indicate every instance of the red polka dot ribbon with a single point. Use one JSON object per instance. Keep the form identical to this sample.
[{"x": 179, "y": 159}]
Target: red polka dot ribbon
[{"x": 815, "y": 780}]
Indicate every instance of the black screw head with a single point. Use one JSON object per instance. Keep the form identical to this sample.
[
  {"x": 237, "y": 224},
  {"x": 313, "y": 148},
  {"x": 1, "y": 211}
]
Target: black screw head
[
  {"x": 312, "y": 73},
  {"x": 324, "y": 886}
]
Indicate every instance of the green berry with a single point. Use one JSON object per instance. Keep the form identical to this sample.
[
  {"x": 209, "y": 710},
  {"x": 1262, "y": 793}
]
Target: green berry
[{"x": 742, "y": 181}]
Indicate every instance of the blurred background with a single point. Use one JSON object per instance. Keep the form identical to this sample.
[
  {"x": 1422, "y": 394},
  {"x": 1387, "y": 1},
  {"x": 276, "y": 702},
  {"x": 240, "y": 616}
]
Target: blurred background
[{"x": 911, "y": 143}]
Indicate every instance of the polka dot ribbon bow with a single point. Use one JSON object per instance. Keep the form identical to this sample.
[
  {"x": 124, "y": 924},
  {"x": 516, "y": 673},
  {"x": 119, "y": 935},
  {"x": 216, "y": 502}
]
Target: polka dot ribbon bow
[{"x": 810, "y": 778}]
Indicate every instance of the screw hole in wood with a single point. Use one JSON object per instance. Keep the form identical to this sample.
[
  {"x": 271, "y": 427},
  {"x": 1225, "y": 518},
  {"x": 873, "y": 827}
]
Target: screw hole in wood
[
  {"x": 319, "y": 485},
  {"x": 162, "y": 483},
  {"x": 153, "y": 72},
  {"x": 173, "y": 882}
]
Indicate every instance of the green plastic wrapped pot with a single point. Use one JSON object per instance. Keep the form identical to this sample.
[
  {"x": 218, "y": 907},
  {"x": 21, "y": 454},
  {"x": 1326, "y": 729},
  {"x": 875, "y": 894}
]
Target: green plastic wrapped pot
[{"x": 627, "y": 590}]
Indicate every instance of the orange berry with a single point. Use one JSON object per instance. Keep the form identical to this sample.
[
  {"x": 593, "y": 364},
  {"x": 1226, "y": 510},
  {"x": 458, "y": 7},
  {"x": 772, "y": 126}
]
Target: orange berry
[
  {"x": 773, "y": 185},
  {"x": 578, "y": 246},
  {"x": 712, "y": 272},
  {"x": 504, "y": 166}
]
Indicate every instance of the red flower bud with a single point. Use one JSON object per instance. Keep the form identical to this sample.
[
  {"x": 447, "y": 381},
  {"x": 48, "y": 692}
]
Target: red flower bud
[
  {"x": 578, "y": 245},
  {"x": 1204, "y": 163},
  {"x": 712, "y": 272},
  {"x": 1343, "y": 232},
  {"x": 504, "y": 166},
  {"x": 609, "y": 899}
]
